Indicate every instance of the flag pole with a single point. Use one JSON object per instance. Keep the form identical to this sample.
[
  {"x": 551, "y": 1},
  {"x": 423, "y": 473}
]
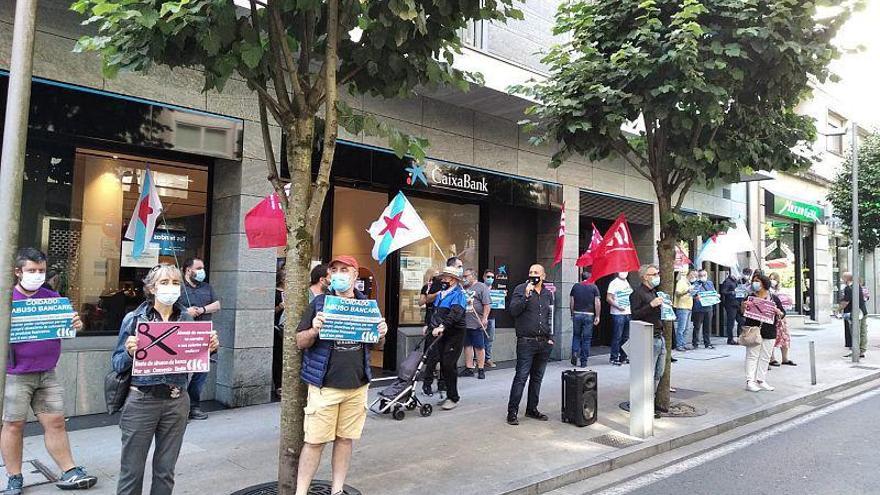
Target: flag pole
[{"x": 437, "y": 245}]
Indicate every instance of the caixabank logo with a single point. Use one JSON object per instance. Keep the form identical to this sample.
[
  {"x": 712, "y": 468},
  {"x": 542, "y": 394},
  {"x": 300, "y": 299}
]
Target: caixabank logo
[
  {"x": 416, "y": 174},
  {"x": 434, "y": 174}
]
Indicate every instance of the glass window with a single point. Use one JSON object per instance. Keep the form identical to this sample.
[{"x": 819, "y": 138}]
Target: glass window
[
  {"x": 76, "y": 208},
  {"x": 836, "y": 123},
  {"x": 456, "y": 229},
  {"x": 780, "y": 255}
]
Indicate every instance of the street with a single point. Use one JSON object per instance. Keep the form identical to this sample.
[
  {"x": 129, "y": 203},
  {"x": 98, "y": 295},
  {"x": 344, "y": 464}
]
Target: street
[{"x": 829, "y": 451}]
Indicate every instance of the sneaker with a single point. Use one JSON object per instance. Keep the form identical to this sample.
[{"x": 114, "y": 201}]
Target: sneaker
[
  {"x": 490, "y": 363},
  {"x": 626, "y": 361},
  {"x": 14, "y": 485},
  {"x": 481, "y": 375},
  {"x": 673, "y": 360},
  {"x": 449, "y": 405},
  {"x": 466, "y": 372},
  {"x": 710, "y": 346},
  {"x": 616, "y": 363},
  {"x": 752, "y": 386},
  {"x": 573, "y": 360},
  {"x": 766, "y": 386},
  {"x": 584, "y": 363},
  {"x": 681, "y": 349},
  {"x": 847, "y": 355},
  {"x": 537, "y": 415},
  {"x": 512, "y": 419},
  {"x": 197, "y": 414},
  {"x": 76, "y": 479}
]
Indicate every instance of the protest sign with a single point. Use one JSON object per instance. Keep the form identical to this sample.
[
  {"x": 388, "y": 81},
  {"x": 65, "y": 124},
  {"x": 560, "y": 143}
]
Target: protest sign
[
  {"x": 622, "y": 297},
  {"x": 41, "y": 319},
  {"x": 498, "y": 298},
  {"x": 786, "y": 300},
  {"x": 709, "y": 297},
  {"x": 351, "y": 319},
  {"x": 666, "y": 311},
  {"x": 172, "y": 347},
  {"x": 742, "y": 291},
  {"x": 763, "y": 310}
]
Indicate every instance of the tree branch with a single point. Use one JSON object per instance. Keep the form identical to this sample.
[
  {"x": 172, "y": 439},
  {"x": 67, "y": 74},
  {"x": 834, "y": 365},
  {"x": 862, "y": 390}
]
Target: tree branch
[
  {"x": 282, "y": 101},
  {"x": 274, "y": 178},
  {"x": 684, "y": 190},
  {"x": 286, "y": 60},
  {"x": 331, "y": 125},
  {"x": 623, "y": 148}
]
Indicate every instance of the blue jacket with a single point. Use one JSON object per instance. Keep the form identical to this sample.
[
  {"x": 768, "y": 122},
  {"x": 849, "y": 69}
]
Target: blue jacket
[
  {"x": 122, "y": 360},
  {"x": 316, "y": 359},
  {"x": 700, "y": 286}
]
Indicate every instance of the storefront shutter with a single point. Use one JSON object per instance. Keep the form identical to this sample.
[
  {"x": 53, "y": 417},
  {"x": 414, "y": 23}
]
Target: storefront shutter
[{"x": 609, "y": 207}]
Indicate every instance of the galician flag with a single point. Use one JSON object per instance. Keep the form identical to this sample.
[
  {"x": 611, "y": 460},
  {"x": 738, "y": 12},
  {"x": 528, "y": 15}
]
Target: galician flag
[
  {"x": 560, "y": 238},
  {"x": 143, "y": 219},
  {"x": 398, "y": 226}
]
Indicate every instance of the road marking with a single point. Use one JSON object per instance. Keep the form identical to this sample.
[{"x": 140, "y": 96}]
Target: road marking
[{"x": 693, "y": 462}]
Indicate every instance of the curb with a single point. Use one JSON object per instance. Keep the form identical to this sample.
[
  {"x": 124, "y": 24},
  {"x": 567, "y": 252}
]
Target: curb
[{"x": 573, "y": 473}]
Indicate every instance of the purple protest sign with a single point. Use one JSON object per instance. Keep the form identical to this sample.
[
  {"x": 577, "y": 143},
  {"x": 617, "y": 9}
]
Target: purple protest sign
[
  {"x": 172, "y": 347},
  {"x": 763, "y": 310}
]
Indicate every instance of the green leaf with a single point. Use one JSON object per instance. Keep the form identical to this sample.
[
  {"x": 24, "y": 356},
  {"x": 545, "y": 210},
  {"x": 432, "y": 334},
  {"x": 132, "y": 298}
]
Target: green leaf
[{"x": 251, "y": 54}]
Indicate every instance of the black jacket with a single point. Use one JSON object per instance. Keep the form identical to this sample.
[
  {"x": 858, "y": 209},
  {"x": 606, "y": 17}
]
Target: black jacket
[
  {"x": 531, "y": 314},
  {"x": 728, "y": 293},
  {"x": 640, "y": 300}
]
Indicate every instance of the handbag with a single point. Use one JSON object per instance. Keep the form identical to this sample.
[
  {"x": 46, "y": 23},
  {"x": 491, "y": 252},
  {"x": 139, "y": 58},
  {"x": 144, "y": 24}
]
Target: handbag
[
  {"x": 116, "y": 387},
  {"x": 751, "y": 336}
]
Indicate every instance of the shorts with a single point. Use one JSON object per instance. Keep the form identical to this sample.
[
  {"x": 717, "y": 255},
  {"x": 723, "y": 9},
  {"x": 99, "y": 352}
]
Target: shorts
[
  {"x": 334, "y": 412},
  {"x": 476, "y": 338},
  {"x": 39, "y": 391}
]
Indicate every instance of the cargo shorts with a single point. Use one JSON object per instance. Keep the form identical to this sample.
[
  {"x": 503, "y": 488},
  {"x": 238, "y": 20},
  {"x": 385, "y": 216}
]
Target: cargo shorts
[
  {"x": 335, "y": 412},
  {"x": 41, "y": 392}
]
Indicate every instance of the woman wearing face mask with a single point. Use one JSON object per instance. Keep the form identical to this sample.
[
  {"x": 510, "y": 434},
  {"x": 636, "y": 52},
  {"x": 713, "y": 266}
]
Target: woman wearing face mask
[
  {"x": 158, "y": 405},
  {"x": 758, "y": 356},
  {"x": 683, "y": 304},
  {"x": 783, "y": 336}
]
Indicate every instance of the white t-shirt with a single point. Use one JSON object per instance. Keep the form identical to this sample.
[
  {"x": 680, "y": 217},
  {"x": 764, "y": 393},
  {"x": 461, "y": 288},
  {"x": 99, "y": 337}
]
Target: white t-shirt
[{"x": 621, "y": 290}]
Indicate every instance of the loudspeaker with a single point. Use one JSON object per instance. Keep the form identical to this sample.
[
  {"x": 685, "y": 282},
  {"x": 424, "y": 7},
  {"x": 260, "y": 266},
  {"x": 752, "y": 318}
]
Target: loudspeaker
[{"x": 580, "y": 398}]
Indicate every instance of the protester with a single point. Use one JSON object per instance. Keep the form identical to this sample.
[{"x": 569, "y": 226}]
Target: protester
[
  {"x": 758, "y": 356},
  {"x": 732, "y": 303},
  {"x": 157, "y": 405},
  {"x": 448, "y": 324},
  {"x": 586, "y": 308},
  {"x": 433, "y": 358},
  {"x": 319, "y": 281},
  {"x": 338, "y": 375},
  {"x": 479, "y": 304},
  {"x": 702, "y": 315},
  {"x": 430, "y": 273},
  {"x": 618, "y": 296},
  {"x": 31, "y": 383},
  {"x": 530, "y": 306},
  {"x": 201, "y": 303},
  {"x": 783, "y": 336},
  {"x": 278, "y": 333},
  {"x": 489, "y": 280},
  {"x": 646, "y": 307},
  {"x": 846, "y": 305},
  {"x": 683, "y": 303}
]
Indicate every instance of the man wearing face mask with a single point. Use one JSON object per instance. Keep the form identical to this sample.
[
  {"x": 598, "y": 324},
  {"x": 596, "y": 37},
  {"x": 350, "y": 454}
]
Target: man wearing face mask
[
  {"x": 619, "y": 292},
  {"x": 646, "y": 306},
  {"x": 338, "y": 375},
  {"x": 530, "y": 307},
  {"x": 434, "y": 356},
  {"x": 31, "y": 383},
  {"x": 477, "y": 320},
  {"x": 702, "y": 315},
  {"x": 489, "y": 280},
  {"x": 201, "y": 303},
  {"x": 731, "y": 303}
]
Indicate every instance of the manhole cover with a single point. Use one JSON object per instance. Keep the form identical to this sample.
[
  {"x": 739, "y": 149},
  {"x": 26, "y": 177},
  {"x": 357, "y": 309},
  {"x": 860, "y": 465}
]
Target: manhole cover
[
  {"x": 820, "y": 402},
  {"x": 319, "y": 487},
  {"x": 616, "y": 440},
  {"x": 676, "y": 410}
]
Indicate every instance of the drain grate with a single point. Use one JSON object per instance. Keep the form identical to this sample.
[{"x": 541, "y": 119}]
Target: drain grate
[
  {"x": 820, "y": 402},
  {"x": 34, "y": 466},
  {"x": 318, "y": 487},
  {"x": 616, "y": 440},
  {"x": 865, "y": 367}
]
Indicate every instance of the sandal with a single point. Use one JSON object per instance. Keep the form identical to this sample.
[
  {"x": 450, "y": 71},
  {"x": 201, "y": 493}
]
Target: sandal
[
  {"x": 774, "y": 363},
  {"x": 789, "y": 363}
]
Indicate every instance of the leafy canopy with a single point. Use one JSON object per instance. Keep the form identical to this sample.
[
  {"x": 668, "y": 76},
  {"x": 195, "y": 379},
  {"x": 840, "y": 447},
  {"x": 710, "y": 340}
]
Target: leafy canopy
[
  {"x": 840, "y": 194},
  {"x": 710, "y": 84}
]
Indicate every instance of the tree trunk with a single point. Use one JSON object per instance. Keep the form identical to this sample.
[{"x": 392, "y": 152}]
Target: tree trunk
[
  {"x": 298, "y": 265},
  {"x": 666, "y": 255}
]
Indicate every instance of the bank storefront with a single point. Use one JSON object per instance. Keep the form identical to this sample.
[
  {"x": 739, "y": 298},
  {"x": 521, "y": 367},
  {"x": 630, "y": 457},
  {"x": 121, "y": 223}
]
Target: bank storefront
[{"x": 489, "y": 220}]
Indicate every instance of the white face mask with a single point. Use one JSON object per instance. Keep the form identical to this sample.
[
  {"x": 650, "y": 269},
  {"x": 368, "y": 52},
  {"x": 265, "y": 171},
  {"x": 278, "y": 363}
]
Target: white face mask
[
  {"x": 622, "y": 275},
  {"x": 167, "y": 294},
  {"x": 32, "y": 281}
]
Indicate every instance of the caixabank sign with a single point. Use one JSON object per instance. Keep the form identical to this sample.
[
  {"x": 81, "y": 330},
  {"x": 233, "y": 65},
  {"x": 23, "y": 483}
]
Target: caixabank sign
[{"x": 447, "y": 176}]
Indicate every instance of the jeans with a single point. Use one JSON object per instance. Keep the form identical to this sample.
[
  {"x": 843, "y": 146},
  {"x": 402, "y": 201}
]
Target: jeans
[
  {"x": 582, "y": 336},
  {"x": 144, "y": 418},
  {"x": 702, "y": 320},
  {"x": 531, "y": 360},
  {"x": 490, "y": 331},
  {"x": 731, "y": 314},
  {"x": 659, "y": 359},
  {"x": 196, "y": 385},
  {"x": 619, "y": 336},
  {"x": 758, "y": 360},
  {"x": 450, "y": 350},
  {"x": 682, "y": 318}
]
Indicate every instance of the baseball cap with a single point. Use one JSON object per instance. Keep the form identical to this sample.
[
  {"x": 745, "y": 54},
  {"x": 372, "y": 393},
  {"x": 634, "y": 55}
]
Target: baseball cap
[{"x": 345, "y": 260}]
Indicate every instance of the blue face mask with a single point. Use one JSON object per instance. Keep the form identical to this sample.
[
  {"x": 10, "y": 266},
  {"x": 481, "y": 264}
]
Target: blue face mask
[
  {"x": 340, "y": 282},
  {"x": 655, "y": 281},
  {"x": 490, "y": 280},
  {"x": 199, "y": 275}
]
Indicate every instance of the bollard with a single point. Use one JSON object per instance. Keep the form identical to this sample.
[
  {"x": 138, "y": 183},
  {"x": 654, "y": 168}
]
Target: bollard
[
  {"x": 641, "y": 379},
  {"x": 813, "y": 362}
]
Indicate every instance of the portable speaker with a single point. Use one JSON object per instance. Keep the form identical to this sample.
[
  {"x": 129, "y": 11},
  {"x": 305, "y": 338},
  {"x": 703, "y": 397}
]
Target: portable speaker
[{"x": 580, "y": 399}]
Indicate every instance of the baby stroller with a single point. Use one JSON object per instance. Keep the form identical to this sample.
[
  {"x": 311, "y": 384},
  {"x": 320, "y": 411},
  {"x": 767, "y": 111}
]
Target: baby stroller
[{"x": 401, "y": 394}]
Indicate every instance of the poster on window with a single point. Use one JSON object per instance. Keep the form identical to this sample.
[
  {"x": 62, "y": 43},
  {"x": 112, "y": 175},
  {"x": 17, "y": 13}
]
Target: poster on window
[
  {"x": 412, "y": 279},
  {"x": 148, "y": 259},
  {"x": 41, "y": 319},
  {"x": 499, "y": 298},
  {"x": 172, "y": 347}
]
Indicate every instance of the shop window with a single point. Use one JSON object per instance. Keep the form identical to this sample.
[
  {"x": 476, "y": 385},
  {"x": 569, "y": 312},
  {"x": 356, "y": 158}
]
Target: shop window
[
  {"x": 456, "y": 229},
  {"x": 76, "y": 207},
  {"x": 780, "y": 257}
]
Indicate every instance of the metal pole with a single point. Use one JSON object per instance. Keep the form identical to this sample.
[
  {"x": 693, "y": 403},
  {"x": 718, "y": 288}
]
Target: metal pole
[
  {"x": 855, "y": 325},
  {"x": 813, "y": 362},
  {"x": 18, "y": 100}
]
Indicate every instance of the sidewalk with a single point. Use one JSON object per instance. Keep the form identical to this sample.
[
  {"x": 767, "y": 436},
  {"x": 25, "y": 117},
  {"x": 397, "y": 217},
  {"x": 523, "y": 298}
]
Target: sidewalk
[{"x": 472, "y": 449}]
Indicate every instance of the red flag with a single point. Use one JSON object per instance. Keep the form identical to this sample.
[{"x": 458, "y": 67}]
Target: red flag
[
  {"x": 264, "y": 224},
  {"x": 682, "y": 262},
  {"x": 616, "y": 252},
  {"x": 560, "y": 238},
  {"x": 586, "y": 259}
]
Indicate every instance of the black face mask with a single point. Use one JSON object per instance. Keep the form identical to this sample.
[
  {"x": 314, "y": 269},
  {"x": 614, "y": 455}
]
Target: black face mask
[
  {"x": 535, "y": 280},
  {"x": 444, "y": 285}
]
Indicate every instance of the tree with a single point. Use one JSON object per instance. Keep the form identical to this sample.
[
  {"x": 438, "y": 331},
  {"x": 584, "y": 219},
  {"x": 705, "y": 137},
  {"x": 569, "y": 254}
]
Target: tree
[
  {"x": 840, "y": 194},
  {"x": 296, "y": 55},
  {"x": 708, "y": 86}
]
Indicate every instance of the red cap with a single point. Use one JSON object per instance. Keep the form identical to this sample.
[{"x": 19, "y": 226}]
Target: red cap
[{"x": 345, "y": 260}]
